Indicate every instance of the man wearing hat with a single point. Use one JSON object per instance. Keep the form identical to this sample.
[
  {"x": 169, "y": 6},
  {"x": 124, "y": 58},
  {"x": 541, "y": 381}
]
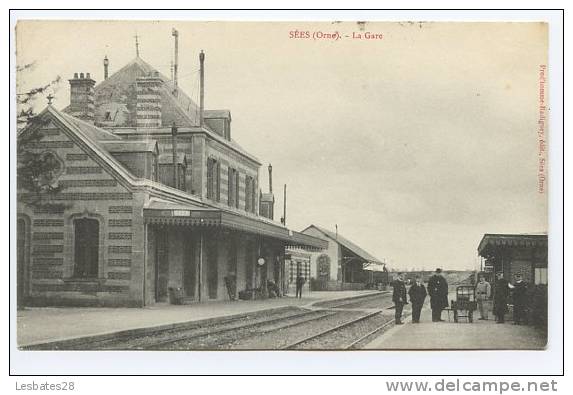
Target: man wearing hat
[
  {"x": 399, "y": 298},
  {"x": 438, "y": 290},
  {"x": 500, "y": 294},
  {"x": 417, "y": 293},
  {"x": 519, "y": 300},
  {"x": 483, "y": 293}
]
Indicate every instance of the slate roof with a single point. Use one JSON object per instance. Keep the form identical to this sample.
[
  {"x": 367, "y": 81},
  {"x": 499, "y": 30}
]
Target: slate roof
[
  {"x": 89, "y": 129},
  {"x": 175, "y": 107},
  {"x": 130, "y": 146},
  {"x": 347, "y": 244},
  {"x": 120, "y": 87}
]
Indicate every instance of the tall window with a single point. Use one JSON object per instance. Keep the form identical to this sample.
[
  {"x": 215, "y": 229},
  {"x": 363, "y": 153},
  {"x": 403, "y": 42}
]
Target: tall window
[
  {"x": 210, "y": 176},
  {"x": 233, "y": 200},
  {"x": 86, "y": 254},
  {"x": 248, "y": 193},
  {"x": 236, "y": 189},
  {"x": 218, "y": 182},
  {"x": 213, "y": 179},
  {"x": 250, "y": 196}
]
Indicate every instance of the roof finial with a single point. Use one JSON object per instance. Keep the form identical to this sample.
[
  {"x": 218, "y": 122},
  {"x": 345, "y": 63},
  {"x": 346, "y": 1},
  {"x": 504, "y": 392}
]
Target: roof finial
[
  {"x": 50, "y": 97},
  {"x": 136, "y": 44}
]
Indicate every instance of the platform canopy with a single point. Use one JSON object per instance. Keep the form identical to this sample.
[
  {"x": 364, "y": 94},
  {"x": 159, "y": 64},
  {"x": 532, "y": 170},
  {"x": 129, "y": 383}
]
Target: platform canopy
[
  {"x": 188, "y": 214},
  {"x": 492, "y": 241}
]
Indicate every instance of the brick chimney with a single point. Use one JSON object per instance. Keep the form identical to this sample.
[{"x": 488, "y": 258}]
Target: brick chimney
[
  {"x": 82, "y": 97},
  {"x": 148, "y": 108}
]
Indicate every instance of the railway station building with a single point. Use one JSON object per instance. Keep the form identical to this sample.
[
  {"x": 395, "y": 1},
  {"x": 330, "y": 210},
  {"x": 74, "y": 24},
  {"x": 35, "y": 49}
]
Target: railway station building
[
  {"x": 156, "y": 199},
  {"x": 342, "y": 265}
]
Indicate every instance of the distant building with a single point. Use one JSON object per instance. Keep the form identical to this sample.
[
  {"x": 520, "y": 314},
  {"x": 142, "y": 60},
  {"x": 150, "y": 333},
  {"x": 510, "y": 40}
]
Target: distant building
[
  {"x": 157, "y": 196},
  {"x": 342, "y": 264},
  {"x": 296, "y": 262}
]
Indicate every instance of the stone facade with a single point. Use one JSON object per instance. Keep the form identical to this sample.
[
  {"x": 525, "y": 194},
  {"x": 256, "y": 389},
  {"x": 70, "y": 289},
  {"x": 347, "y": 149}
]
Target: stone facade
[{"x": 119, "y": 233}]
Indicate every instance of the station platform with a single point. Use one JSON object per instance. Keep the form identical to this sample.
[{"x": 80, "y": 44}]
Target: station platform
[
  {"x": 449, "y": 335},
  {"x": 45, "y": 324}
]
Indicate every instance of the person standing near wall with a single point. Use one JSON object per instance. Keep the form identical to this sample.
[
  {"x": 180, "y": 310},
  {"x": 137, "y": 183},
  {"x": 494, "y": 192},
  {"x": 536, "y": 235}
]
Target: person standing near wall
[
  {"x": 299, "y": 284},
  {"x": 438, "y": 290},
  {"x": 483, "y": 293}
]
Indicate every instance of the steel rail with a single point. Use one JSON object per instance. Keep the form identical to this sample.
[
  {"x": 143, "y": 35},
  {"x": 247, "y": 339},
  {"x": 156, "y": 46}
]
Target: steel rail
[
  {"x": 330, "y": 330},
  {"x": 324, "y": 314},
  {"x": 376, "y": 330},
  {"x": 388, "y": 323},
  {"x": 266, "y": 322}
]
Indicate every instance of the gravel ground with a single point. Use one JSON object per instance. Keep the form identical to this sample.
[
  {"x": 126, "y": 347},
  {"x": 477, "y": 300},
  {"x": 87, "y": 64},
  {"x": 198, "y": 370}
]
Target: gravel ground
[
  {"x": 340, "y": 339},
  {"x": 281, "y": 338},
  {"x": 224, "y": 340},
  {"x": 194, "y": 329}
]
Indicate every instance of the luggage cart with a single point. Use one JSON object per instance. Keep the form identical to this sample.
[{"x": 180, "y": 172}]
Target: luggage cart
[{"x": 465, "y": 303}]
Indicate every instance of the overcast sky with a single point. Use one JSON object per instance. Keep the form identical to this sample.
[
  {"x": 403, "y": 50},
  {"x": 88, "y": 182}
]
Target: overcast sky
[{"x": 415, "y": 145}]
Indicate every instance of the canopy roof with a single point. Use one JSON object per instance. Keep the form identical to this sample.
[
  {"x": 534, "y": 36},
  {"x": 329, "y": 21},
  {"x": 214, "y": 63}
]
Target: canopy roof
[
  {"x": 167, "y": 213},
  {"x": 512, "y": 240}
]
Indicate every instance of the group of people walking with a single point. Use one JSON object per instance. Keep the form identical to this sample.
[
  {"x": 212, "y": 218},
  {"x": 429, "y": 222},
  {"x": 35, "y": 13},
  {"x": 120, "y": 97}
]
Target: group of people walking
[{"x": 437, "y": 289}]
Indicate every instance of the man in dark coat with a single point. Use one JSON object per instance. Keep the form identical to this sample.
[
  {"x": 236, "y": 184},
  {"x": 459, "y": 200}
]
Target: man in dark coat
[
  {"x": 399, "y": 298},
  {"x": 500, "y": 294},
  {"x": 519, "y": 300},
  {"x": 417, "y": 293},
  {"x": 438, "y": 290},
  {"x": 299, "y": 284}
]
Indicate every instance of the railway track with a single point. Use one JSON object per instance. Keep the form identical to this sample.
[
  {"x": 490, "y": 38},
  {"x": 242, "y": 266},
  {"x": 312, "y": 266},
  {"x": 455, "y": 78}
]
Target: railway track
[
  {"x": 220, "y": 338},
  {"x": 343, "y": 324},
  {"x": 300, "y": 343}
]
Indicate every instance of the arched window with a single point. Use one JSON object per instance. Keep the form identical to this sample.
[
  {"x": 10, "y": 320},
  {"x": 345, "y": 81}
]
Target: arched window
[{"x": 86, "y": 245}]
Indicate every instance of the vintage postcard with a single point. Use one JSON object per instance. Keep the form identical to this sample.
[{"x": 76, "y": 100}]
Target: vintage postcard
[{"x": 187, "y": 185}]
